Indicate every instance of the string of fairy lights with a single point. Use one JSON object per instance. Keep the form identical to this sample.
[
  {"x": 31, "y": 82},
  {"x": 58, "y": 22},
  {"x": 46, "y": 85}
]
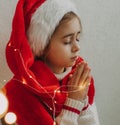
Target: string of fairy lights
[{"x": 10, "y": 117}]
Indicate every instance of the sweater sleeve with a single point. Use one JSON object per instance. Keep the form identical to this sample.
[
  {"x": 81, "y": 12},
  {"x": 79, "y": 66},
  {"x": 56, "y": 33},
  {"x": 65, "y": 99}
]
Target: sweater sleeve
[
  {"x": 70, "y": 113},
  {"x": 86, "y": 117},
  {"x": 89, "y": 116}
]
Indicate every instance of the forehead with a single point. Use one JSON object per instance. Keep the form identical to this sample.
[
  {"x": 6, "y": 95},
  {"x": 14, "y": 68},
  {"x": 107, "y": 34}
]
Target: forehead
[{"x": 68, "y": 26}]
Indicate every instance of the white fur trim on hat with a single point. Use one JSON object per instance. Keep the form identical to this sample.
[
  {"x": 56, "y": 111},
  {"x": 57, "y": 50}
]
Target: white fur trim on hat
[{"x": 44, "y": 21}]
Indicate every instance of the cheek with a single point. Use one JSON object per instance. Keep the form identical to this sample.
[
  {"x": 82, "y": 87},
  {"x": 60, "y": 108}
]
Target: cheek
[
  {"x": 58, "y": 53},
  {"x": 62, "y": 51}
]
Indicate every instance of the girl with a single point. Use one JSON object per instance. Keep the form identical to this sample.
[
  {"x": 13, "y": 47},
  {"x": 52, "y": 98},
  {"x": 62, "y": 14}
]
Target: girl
[{"x": 51, "y": 83}]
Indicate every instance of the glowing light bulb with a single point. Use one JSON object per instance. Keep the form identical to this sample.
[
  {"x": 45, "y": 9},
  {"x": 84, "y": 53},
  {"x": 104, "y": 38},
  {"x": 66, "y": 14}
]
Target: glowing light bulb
[
  {"x": 54, "y": 123},
  {"x": 58, "y": 91},
  {"x": 9, "y": 44},
  {"x": 4, "y": 80},
  {"x": 55, "y": 91},
  {"x": 30, "y": 76},
  {"x": 55, "y": 102},
  {"x": 15, "y": 50},
  {"x": 10, "y": 118},
  {"x": 82, "y": 85},
  {"x": 23, "y": 81},
  {"x": 50, "y": 108},
  {"x": 3, "y": 104}
]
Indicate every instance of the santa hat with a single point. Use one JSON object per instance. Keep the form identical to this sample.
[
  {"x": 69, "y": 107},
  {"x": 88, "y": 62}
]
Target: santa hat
[{"x": 44, "y": 21}]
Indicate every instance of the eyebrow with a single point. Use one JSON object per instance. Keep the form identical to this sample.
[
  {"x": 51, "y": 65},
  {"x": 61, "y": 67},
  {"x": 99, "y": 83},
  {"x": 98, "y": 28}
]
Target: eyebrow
[{"x": 70, "y": 34}]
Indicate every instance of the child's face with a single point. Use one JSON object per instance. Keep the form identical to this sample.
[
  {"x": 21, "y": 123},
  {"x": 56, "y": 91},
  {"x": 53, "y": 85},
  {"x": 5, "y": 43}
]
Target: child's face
[{"x": 64, "y": 46}]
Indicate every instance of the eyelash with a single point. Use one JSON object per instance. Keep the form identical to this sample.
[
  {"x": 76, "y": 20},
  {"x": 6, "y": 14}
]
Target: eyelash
[
  {"x": 77, "y": 40},
  {"x": 66, "y": 43}
]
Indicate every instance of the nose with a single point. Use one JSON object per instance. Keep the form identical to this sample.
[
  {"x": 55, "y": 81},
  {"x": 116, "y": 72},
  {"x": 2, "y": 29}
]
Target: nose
[{"x": 75, "y": 47}]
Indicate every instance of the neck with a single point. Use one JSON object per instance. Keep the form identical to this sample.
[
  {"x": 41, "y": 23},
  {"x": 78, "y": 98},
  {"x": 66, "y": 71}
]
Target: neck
[{"x": 56, "y": 69}]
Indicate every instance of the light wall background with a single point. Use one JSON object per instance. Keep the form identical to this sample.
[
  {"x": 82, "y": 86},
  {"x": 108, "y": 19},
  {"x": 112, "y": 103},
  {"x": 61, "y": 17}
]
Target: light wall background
[{"x": 100, "y": 46}]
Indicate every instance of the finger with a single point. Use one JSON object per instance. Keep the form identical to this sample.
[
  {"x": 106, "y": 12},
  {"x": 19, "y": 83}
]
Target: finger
[
  {"x": 86, "y": 84},
  {"x": 74, "y": 79},
  {"x": 77, "y": 74},
  {"x": 69, "y": 83},
  {"x": 84, "y": 75},
  {"x": 87, "y": 81},
  {"x": 80, "y": 70}
]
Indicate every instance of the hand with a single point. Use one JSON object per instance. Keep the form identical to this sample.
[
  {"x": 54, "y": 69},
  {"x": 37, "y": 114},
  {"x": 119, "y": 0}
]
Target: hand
[{"x": 79, "y": 82}]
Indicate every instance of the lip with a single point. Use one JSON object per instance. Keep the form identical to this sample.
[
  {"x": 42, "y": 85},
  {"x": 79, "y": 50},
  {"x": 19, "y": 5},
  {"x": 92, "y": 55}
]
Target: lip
[{"x": 74, "y": 58}]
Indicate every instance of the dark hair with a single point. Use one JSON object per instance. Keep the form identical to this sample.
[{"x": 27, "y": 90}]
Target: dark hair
[{"x": 67, "y": 17}]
